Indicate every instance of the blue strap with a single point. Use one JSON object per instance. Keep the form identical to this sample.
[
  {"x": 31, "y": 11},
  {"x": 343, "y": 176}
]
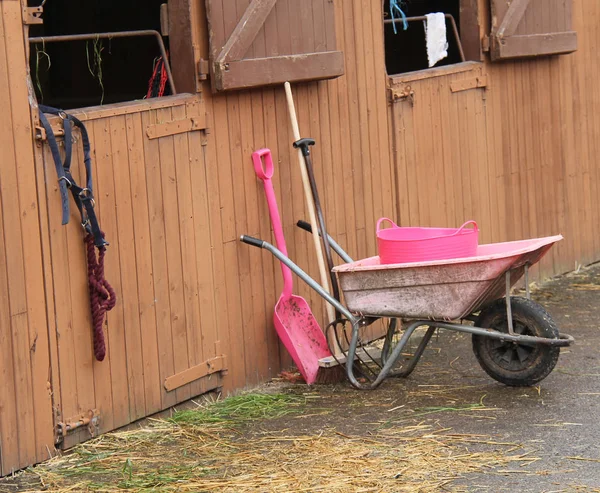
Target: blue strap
[
  {"x": 395, "y": 7},
  {"x": 83, "y": 197}
]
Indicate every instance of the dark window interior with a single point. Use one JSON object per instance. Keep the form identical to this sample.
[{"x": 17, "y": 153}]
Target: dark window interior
[
  {"x": 406, "y": 51},
  {"x": 76, "y": 74}
]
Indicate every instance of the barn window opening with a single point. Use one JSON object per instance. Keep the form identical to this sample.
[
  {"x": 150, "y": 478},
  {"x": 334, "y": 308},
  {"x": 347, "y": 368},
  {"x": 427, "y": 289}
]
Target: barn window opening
[
  {"x": 406, "y": 39},
  {"x": 75, "y": 62}
]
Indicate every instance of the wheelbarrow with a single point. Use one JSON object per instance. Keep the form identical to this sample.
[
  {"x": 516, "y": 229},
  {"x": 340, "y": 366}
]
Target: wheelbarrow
[{"x": 515, "y": 340}]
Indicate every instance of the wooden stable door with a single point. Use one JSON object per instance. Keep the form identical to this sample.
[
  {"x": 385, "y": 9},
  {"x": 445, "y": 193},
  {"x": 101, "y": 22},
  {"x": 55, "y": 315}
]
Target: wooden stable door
[
  {"x": 440, "y": 143},
  {"x": 152, "y": 204}
]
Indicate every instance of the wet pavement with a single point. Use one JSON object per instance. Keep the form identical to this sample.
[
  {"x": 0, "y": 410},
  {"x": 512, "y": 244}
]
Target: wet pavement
[{"x": 556, "y": 422}]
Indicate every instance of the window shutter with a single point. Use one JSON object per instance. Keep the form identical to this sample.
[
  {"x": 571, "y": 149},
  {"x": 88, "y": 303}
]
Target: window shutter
[
  {"x": 528, "y": 28},
  {"x": 271, "y": 41}
]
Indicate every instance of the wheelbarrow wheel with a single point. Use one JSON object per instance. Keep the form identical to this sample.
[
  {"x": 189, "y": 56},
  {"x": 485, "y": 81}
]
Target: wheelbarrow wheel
[{"x": 513, "y": 364}]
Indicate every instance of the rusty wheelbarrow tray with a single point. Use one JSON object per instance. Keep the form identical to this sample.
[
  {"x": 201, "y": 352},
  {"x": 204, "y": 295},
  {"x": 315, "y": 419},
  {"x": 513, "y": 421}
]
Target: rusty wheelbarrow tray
[
  {"x": 438, "y": 290},
  {"x": 514, "y": 339}
]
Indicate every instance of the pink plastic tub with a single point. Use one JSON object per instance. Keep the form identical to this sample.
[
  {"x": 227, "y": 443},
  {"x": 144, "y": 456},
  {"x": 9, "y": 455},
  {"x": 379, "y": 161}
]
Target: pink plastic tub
[{"x": 400, "y": 245}]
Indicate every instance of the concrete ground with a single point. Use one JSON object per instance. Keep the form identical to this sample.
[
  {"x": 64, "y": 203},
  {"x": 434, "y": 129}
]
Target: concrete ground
[{"x": 557, "y": 422}]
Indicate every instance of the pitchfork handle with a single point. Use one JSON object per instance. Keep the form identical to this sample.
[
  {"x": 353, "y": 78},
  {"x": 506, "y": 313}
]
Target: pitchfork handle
[{"x": 303, "y": 144}]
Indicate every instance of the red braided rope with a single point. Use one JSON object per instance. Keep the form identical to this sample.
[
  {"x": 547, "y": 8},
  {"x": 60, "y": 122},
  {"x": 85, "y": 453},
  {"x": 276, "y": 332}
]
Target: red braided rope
[{"x": 102, "y": 295}]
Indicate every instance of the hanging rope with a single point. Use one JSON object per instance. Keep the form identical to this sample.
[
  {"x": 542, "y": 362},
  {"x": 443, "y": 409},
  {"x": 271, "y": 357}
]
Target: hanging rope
[
  {"x": 157, "y": 86},
  {"x": 102, "y": 295},
  {"x": 395, "y": 9}
]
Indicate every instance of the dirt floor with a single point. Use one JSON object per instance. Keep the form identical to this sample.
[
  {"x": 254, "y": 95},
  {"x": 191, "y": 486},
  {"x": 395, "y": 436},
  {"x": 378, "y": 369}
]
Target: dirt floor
[{"x": 553, "y": 428}]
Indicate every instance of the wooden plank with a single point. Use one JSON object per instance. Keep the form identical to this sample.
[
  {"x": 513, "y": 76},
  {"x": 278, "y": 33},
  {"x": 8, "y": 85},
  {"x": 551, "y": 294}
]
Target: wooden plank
[
  {"x": 262, "y": 108},
  {"x": 511, "y": 19},
  {"x": 181, "y": 48},
  {"x": 212, "y": 175},
  {"x": 143, "y": 256},
  {"x": 127, "y": 107},
  {"x": 535, "y": 45},
  {"x": 402, "y": 79},
  {"x": 196, "y": 372},
  {"x": 267, "y": 107},
  {"x": 367, "y": 104},
  {"x": 471, "y": 83},
  {"x": 253, "y": 194},
  {"x": 15, "y": 262},
  {"x": 78, "y": 294},
  {"x": 187, "y": 241},
  {"x": 170, "y": 209},
  {"x": 160, "y": 302},
  {"x": 470, "y": 23},
  {"x": 129, "y": 282},
  {"x": 20, "y": 118},
  {"x": 277, "y": 70},
  {"x": 176, "y": 127},
  {"x": 114, "y": 324},
  {"x": 101, "y": 370},
  {"x": 204, "y": 251},
  {"x": 246, "y": 30},
  {"x": 54, "y": 374},
  {"x": 9, "y": 437}
]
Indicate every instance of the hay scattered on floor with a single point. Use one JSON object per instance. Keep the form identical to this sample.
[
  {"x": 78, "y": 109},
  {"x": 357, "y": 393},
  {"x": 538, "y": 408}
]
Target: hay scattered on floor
[{"x": 213, "y": 450}]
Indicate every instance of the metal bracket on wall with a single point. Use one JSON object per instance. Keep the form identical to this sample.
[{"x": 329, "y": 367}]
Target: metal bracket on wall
[
  {"x": 33, "y": 15},
  {"x": 90, "y": 419},
  {"x": 404, "y": 93}
]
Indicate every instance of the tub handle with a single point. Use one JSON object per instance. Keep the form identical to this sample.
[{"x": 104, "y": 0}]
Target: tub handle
[
  {"x": 475, "y": 227},
  {"x": 383, "y": 219}
]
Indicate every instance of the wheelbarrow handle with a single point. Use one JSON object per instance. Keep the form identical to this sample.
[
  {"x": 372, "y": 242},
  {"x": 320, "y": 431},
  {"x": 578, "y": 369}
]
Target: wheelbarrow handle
[
  {"x": 301, "y": 274},
  {"x": 252, "y": 241}
]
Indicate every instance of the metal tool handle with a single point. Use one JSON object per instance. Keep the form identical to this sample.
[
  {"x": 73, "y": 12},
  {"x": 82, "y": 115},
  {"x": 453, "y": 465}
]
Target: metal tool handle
[
  {"x": 336, "y": 247},
  {"x": 250, "y": 240}
]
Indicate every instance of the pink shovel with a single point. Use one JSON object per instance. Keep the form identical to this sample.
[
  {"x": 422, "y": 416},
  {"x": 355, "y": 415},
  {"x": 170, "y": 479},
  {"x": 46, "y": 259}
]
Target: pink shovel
[{"x": 293, "y": 318}]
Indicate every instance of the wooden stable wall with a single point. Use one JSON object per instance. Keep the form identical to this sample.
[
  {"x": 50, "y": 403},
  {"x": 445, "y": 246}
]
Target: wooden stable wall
[
  {"x": 519, "y": 154},
  {"x": 26, "y": 422},
  {"x": 173, "y": 209}
]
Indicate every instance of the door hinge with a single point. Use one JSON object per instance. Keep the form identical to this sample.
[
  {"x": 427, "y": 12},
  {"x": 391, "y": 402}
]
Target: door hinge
[
  {"x": 402, "y": 94},
  {"x": 485, "y": 44},
  {"x": 203, "y": 69},
  {"x": 90, "y": 419},
  {"x": 33, "y": 15}
]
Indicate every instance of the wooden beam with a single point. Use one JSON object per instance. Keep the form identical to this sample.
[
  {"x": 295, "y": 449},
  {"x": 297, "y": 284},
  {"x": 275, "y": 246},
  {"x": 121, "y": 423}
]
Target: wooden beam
[
  {"x": 204, "y": 369},
  {"x": 466, "y": 84},
  {"x": 513, "y": 16},
  {"x": 246, "y": 30},
  {"x": 183, "y": 64},
  {"x": 276, "y": 70},
  {"x": 534, "y": 45}
]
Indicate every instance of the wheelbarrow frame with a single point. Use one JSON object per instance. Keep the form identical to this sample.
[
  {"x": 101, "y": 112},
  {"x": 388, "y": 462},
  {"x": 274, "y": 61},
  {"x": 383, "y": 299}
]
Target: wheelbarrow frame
[{"x": 359, "y": 322}]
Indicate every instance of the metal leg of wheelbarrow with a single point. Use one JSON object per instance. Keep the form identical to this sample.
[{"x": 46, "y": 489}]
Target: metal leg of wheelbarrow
[
  {"x": 407, "y": 368},
  {"x": 391, "y": 361}
]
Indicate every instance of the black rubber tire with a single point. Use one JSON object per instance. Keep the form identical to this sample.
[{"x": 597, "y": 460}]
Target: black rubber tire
[{"x": 510, "y": 363}]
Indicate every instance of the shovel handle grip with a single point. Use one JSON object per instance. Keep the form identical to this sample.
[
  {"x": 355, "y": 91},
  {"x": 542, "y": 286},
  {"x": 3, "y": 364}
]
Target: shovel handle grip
[
  {"x": 252, "y": 241},
  {"x": 266, "y": 172}
]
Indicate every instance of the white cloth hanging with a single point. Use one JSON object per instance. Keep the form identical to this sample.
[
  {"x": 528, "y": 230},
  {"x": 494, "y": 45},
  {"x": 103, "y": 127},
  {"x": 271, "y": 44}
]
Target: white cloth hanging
[{"x": 435, "y": 37}]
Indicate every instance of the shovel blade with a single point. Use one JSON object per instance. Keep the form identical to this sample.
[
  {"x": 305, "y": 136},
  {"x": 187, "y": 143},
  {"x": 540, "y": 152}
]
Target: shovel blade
[{"x": 301, "y": 335}]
